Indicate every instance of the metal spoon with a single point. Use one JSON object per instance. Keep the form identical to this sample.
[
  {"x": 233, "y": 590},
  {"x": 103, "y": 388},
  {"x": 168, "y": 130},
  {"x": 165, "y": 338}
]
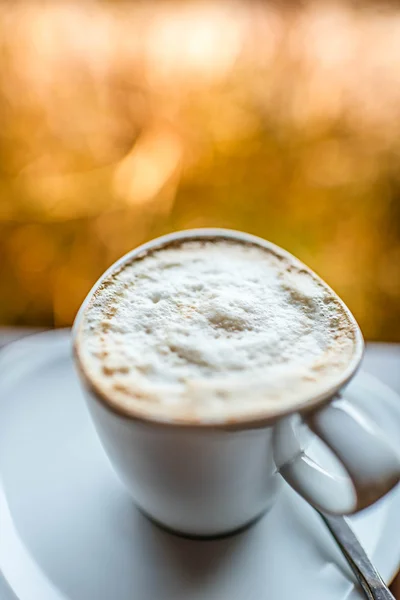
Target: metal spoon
[{"x": 369, "y": 578}]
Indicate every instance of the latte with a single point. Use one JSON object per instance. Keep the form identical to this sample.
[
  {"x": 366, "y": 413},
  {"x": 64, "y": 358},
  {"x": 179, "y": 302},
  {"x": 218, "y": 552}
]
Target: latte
[{"x": 213, "y": 330}]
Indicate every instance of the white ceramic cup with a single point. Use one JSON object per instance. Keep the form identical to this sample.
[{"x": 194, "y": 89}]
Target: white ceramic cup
[{"x": 209, "y": 480}]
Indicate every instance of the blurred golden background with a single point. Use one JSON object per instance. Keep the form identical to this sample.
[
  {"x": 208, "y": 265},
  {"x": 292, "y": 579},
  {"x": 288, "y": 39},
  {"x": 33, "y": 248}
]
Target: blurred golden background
[{"x": 121, "y": 121}]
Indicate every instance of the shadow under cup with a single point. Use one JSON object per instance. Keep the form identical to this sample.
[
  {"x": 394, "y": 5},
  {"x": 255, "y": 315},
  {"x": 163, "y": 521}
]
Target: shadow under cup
[{"x": 202, "y": 479}]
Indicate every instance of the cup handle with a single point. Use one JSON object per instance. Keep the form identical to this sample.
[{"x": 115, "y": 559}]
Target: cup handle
[{"x": 371, "y": 463}]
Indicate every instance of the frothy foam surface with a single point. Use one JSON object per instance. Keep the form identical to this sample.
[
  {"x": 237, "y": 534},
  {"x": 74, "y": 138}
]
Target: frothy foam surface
[{"x": 213, "y": 331}]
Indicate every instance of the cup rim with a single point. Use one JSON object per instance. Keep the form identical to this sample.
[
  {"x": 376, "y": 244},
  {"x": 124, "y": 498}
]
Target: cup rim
[{"x": 250, "y": 421}]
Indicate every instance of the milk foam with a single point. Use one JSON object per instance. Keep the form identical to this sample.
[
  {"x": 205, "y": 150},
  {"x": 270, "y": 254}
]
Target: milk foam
[{"x": 213, "y": 331}]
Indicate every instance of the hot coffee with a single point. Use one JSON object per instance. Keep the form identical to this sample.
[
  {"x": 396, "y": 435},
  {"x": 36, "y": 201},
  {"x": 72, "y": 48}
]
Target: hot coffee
[{"x": 213, "y": 330}]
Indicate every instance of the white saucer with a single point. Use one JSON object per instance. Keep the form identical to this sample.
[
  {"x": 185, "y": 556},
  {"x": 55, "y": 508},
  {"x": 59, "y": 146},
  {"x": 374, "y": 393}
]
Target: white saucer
[{"x": 69, "y": 531}]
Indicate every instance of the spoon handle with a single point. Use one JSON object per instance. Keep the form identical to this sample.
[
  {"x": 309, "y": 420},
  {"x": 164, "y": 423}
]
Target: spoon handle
[{"x": 369, "y": 578}]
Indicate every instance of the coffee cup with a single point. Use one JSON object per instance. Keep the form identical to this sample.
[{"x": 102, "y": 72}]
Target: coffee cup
[{"x": 212, "y": 476}]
